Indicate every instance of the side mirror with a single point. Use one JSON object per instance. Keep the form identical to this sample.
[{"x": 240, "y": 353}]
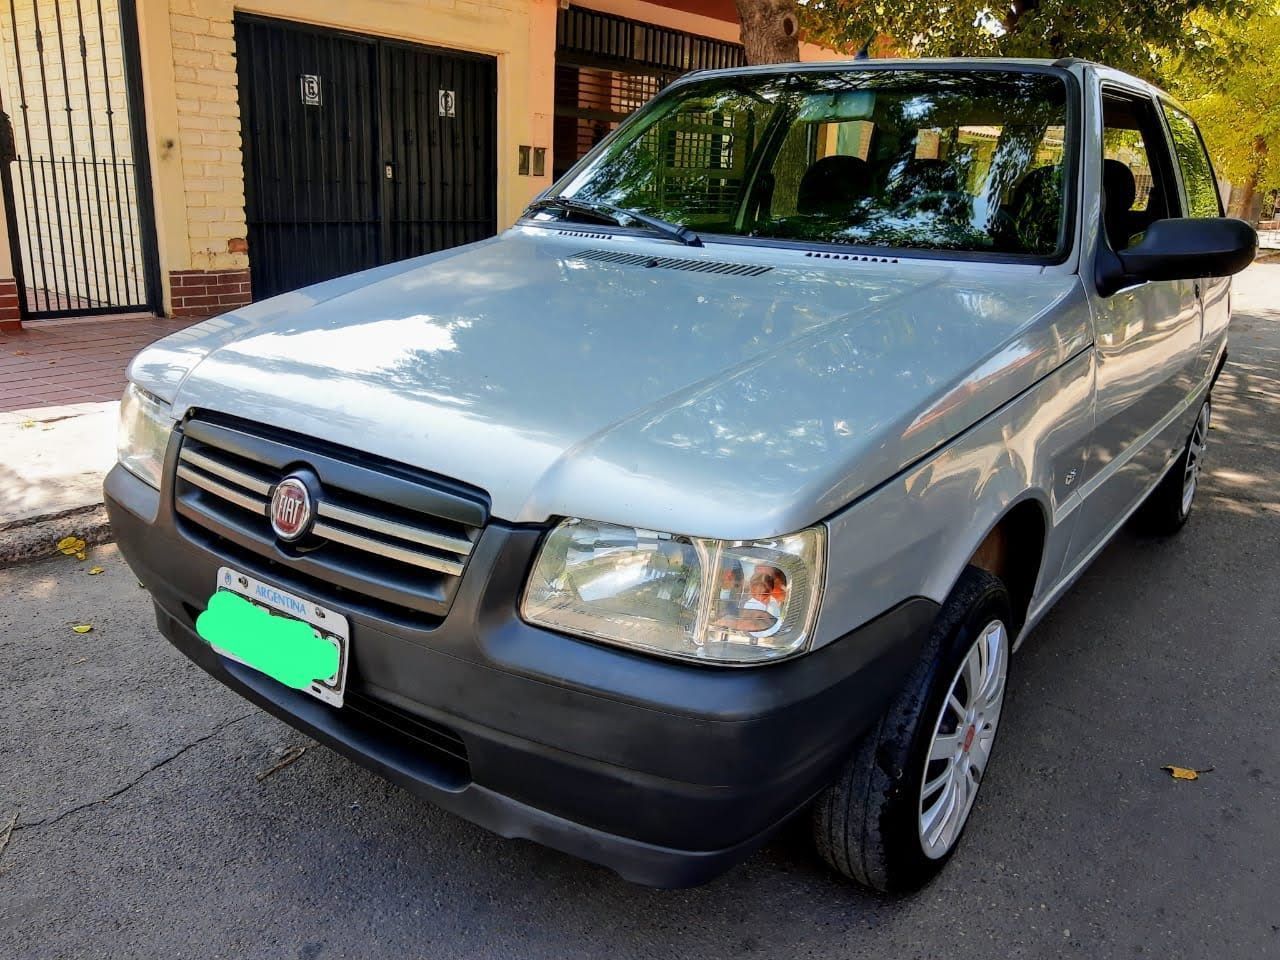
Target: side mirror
[{"x": 1182, "y": 248}]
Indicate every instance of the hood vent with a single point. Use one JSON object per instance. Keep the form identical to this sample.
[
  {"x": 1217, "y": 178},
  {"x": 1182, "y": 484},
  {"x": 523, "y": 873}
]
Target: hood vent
[{"x": 672, "y": 263}]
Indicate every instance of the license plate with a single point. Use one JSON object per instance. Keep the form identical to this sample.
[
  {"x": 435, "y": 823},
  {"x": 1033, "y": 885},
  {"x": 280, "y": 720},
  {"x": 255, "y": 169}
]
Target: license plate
[{"x": 324, "y": 623}]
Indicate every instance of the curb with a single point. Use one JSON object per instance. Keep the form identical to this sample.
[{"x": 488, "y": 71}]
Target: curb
[{"x": 36, "y": 538}]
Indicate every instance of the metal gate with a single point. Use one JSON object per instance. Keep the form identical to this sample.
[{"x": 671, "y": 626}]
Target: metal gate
[
  {"x": 73, "y": 159},
  {"x": 359, "y": 151},
  {"x": 609, "y": 66}
]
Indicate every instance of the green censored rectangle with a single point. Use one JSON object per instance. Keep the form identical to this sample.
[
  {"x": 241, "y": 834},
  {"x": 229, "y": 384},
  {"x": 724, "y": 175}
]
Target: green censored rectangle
[{"x": 284, "y": 649}]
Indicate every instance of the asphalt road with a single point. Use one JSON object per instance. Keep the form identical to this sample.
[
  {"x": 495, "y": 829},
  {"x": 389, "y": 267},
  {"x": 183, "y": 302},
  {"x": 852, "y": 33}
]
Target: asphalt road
[{"x": 142, "y": 829}]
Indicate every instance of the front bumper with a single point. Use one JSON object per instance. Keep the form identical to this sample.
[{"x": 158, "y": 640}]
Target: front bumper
[{"x": 668, "y": 773}]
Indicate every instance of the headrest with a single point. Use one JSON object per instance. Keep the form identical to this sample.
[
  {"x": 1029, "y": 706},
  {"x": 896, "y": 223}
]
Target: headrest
[
  {"x": 1118, "y": 186},
  {"x": 832, "y": 185}
]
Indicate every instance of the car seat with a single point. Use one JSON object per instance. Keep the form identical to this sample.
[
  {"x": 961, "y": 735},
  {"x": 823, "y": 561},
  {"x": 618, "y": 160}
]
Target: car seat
[
  {"x": 1034, "y": 211},
  {"x": 832, "y": 185},
  {"x": 1119, "y": 190}
]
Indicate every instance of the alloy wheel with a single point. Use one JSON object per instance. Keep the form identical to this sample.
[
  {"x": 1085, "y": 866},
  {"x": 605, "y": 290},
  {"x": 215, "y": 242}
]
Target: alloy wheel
[
  {"x": 963, "y": 736},
  {"x": 1195, "y": 457}
]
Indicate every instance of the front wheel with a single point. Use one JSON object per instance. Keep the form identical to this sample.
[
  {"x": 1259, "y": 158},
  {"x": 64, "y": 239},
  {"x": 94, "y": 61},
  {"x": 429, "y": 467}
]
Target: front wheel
[
  {"x": 1169, "y": 505},
  {"x": 901, "y": 803}
]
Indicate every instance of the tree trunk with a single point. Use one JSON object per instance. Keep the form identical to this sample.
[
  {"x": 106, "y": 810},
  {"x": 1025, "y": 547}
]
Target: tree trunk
[
  {"x": 770, "y": 30},
  {"x": 1249, "y": 189}
]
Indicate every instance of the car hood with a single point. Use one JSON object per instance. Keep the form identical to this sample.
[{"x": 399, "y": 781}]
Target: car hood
[{"x": 579, "y": 376}]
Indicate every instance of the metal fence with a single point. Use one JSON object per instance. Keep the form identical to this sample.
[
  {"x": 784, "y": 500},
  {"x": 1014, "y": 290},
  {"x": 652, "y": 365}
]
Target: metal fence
[{"x": 76, "y": 190}]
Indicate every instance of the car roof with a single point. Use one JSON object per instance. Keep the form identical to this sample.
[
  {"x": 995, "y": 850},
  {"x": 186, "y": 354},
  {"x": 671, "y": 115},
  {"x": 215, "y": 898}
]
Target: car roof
[{"x": 1073, "y": 64}]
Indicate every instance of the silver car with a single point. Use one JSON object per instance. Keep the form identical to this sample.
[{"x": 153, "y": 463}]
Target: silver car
[{"x": 722, "y": 487}]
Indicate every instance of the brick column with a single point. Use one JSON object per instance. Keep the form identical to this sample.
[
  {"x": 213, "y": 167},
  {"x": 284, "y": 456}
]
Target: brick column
[
  {"x": 197, "y": 294},
  {"x": 193, "y": 116},
  {"x": 10, "y": 318}
]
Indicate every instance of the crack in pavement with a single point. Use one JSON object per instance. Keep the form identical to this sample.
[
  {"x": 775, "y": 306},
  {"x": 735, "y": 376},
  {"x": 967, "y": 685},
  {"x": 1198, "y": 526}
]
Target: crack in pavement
[{"x": 50, "y": 821}]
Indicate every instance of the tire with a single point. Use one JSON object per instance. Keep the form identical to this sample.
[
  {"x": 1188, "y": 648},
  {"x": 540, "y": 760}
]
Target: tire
[
  {"x": 868, "y": 824},
  {"x": 1168, "y": 507}
]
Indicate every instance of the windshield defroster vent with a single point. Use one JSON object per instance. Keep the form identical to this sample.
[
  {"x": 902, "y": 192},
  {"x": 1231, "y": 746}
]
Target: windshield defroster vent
[
  {"x": 862, "y": 257},
  {"x": 672, "y": 263}
]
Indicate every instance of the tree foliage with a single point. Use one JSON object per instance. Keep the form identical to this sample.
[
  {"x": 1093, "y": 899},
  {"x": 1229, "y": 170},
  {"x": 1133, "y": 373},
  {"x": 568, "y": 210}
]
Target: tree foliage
[
  {"x": 1126, "y": 34},
  {"x": 1231, "y": 85},
  {"x": 1219, "y": 56}
]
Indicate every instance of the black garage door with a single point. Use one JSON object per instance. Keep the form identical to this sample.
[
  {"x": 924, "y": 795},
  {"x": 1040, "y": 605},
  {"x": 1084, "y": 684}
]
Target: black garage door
[{"x": 359, "y": 151}]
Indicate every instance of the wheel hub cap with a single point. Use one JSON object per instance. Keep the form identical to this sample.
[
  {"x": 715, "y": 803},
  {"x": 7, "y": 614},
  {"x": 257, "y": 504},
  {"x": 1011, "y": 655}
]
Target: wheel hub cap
[{"x": 963, "y": 735}]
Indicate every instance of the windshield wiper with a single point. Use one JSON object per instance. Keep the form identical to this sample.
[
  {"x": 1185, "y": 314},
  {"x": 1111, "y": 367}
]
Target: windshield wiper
[{"x": 619, "y": 215}]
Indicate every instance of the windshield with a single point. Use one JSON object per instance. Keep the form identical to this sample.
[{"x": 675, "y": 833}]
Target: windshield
[{"x": 962, "y": 160}]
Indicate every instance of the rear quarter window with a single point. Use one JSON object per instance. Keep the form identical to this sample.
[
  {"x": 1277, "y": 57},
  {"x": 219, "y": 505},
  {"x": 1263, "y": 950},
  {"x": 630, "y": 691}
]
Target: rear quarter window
[{"x": 1197, "y": 172}]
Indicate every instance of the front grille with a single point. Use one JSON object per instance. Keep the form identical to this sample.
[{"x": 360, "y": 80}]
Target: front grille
[{"x": 384, "y": 532}]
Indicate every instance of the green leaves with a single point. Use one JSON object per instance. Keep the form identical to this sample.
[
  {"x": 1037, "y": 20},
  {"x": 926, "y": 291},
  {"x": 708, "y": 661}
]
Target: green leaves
[
  {"x": 1128, "y": 34},
  {"x": 1230, "y": 85},
  {"x": 1218, "y": 56}
]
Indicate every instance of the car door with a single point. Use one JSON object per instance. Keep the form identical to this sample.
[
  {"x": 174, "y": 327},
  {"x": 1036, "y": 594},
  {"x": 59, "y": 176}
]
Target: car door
[{"x": 1147, "y": 336}]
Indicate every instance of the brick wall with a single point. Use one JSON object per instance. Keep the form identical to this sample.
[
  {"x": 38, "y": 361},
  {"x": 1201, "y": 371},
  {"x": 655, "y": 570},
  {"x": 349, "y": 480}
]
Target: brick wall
[
  {"x": 9, "y": 315},
  {"x": 202, "y": 293},
  {"x": 204, "y": 65}
]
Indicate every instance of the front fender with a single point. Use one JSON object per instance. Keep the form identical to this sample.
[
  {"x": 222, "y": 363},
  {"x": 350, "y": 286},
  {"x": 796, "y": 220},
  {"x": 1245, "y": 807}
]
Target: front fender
[{"x": 914, "y": 534}]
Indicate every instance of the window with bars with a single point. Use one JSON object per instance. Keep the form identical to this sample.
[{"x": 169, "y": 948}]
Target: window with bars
[{"x": 607, "y": 67}]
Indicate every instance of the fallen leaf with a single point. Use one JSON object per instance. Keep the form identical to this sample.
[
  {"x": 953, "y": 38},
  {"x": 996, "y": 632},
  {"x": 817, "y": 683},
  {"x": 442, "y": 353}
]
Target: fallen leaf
[
  {"x": 82, "y": 627},
  {"x": 20, "y": 353},
  {"x": 80, "y": 555},
  {"x": 94, "y": 571},
  {"x": 290, "y": 756},
  {"x": 72, "y": 546},
  {"x": 1185, "y": 773},
  {"x": 76, "y": 663},
  {"x": 27, "y": 424}
]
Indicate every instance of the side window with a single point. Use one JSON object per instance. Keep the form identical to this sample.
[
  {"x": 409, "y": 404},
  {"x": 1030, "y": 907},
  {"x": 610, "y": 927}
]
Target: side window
[
  {"x": 1137, "y": 178},
  {"x": 1193, "y": 161}
]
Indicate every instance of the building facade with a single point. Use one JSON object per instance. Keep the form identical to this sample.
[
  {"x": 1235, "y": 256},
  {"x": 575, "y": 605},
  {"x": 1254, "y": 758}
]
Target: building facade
[{"x": 188, "y": 156}]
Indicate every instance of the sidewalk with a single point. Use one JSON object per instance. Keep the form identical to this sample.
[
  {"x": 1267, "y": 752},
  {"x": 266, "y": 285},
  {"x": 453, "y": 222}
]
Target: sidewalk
[
  {"x": 60, "y": 386},
  {"x": 52, "y": 362}
]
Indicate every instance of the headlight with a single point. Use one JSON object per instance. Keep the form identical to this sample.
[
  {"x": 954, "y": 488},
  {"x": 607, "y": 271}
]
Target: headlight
[
  {"x": 145, "y": 426},
  {"x": 714, "y": 600}
]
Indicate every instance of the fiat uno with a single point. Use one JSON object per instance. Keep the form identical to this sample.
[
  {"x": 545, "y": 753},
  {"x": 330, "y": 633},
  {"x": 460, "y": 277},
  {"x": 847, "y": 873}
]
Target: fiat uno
[{"x": 721, "y": 487}]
